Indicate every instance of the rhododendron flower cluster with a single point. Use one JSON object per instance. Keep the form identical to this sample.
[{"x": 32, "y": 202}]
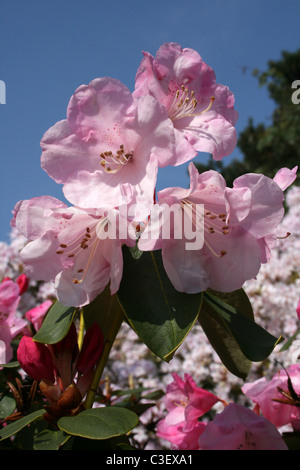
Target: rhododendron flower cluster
[
  {"x": 185, "y": 403},
  {"x": 107, "y": 153},
  {"x": 235, "y": 428},
  {"x": 94, "y": 252}
]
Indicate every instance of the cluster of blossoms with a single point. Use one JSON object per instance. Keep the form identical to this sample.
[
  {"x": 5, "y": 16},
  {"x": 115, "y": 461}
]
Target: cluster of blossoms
[
  {"x": 13, "y": 320},
  {"x": 106, "y": 155},
  {"x": 237, "y": 427}
]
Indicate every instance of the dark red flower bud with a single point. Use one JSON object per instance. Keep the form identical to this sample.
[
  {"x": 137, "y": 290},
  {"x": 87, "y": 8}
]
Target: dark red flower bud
[
  {"x": 91, "y": 350},
  {"x": 35, "y": 359}
]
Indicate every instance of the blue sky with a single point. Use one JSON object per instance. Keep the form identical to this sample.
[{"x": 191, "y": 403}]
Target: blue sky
[{"x": 49, "y": 48}]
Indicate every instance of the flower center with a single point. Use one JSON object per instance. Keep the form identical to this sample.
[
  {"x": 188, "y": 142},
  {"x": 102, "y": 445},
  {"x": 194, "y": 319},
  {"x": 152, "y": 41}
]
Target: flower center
[
  {"x": 209, "y": 221},
  {"x": 184, "y": 104},
  {"x": 113, "y": 162}
]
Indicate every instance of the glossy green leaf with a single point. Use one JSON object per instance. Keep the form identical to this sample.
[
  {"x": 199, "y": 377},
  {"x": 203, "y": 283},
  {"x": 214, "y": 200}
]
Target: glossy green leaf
[
  {"x": 104, "y": 309},
  {"x": 56, "y": 324},
  {"x": 221, "y": 338},
  {"x": 254, "y": 341},
  {"x": 160, "y": 315},
  {"x": 7, "y": 405},
  {"x": 49, "y": 439},
  {"x": 11, "y": 365},
  {"x": 99, "y": 423},
  {"x": 16, "y": 426}
]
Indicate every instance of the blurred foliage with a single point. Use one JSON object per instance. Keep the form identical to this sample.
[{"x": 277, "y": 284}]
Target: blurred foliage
[{"x": 267, "y": 148}]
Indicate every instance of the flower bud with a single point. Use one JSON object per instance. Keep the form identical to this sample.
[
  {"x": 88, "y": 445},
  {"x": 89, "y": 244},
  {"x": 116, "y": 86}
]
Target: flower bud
[
  {"x": 91, "y": 350},
  {"x": 23, "y": 283},
  {"x": 35, "y": 359}
]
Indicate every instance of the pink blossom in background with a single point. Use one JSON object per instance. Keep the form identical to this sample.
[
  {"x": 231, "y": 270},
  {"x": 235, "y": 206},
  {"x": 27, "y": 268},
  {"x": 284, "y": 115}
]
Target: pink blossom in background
[
  {"x": 236, "y": 223},
  {"x": 264, "y": 392},
  {"x": 36, "y": 315},
  {"x": 202, "y": 111},
  {"x": 11, "y": 324},
  {"x": 65, "y": 247},
  {"x": 108, "y": 149},
  {"x": 185, "y": 403},
  {"x": 298, "y": 309},
  {"x": 239, "y": 428}
]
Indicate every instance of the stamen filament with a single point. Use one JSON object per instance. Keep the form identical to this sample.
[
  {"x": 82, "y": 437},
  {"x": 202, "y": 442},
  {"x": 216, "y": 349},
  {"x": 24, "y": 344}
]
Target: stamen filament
[{"x": 184, "y": 104}]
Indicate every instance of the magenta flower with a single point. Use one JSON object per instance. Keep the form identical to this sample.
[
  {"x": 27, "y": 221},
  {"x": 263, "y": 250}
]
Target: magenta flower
[
  {"x": 185, "y": 403},
  {"x": 238, "y": 428},
  {"x": 35, "y": 359},
  {"x": 298, "y": 309},
  {"x": 107, "y": 150},
  {"x": 271, "y": 396},
  {"x": 69, "y": 246},
  {"x": 10, "y": 323},
  {"x": 233, "y": 225},
  {"x": 202, "y": 111}
]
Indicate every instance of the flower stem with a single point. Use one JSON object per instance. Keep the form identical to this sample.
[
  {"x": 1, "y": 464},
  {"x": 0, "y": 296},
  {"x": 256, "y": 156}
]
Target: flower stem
[
  {"x": 81, "y": 329},
  {"x": 117, "y": 318}
]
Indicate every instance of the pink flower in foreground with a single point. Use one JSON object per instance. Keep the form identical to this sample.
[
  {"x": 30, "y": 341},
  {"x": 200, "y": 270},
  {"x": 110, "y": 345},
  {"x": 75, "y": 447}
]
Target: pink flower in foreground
[
  {"x": 230, "y": 226},
  {"x": 10, "y": 323},
  {"x": 185, "y": 403},
  {"x": 265, "y": 394},
  {"x": 238, "y": 428},
  {"x": 108, "y": 148},
  {"x": 202, "y": 111},
  {"x": 69, "y": 246}
]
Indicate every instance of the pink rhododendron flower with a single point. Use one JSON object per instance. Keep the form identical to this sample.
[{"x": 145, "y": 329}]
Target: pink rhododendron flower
[
  {"x": 234, "y": 223},
  {"x": 298, "y": 309},
  {"x": 258, "y": 205},
  {"x": 238, "y": 428},
  {"x": 10, "y": 323},
  {"x": 265, "y": 394},
  {"x": 185, "y": 403},
  {"x": 69, "y": 246},
  {"x": 202, "y": 111},
  {"x": 108, "y": 148}
]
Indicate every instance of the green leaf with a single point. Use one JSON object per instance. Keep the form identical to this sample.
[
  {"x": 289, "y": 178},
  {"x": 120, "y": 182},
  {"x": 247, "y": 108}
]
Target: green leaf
[
  {"x": 221, "y": 338},
  {"x": 161, "y": 316},
  {"x": 7, "y": 406},
  {"x": 290, "y": 341},
  {"x": 56, "y": 324},
  {"x": 99, "y": 423},
  {"x": 103, "y": 309},
  {"x": 11, "y": 365},
  {"x": 16, "y": 426},
  {"x": 253, "y": 340},
  {"x": 50, "y": 440}
]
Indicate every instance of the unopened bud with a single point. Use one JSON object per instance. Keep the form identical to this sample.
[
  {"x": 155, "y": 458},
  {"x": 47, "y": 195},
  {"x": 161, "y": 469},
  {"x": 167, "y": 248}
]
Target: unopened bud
[
  {"x": 23, "y": 283},
  {"x": 91, "y": 350},
  {"x": 35, "y": 359}
]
